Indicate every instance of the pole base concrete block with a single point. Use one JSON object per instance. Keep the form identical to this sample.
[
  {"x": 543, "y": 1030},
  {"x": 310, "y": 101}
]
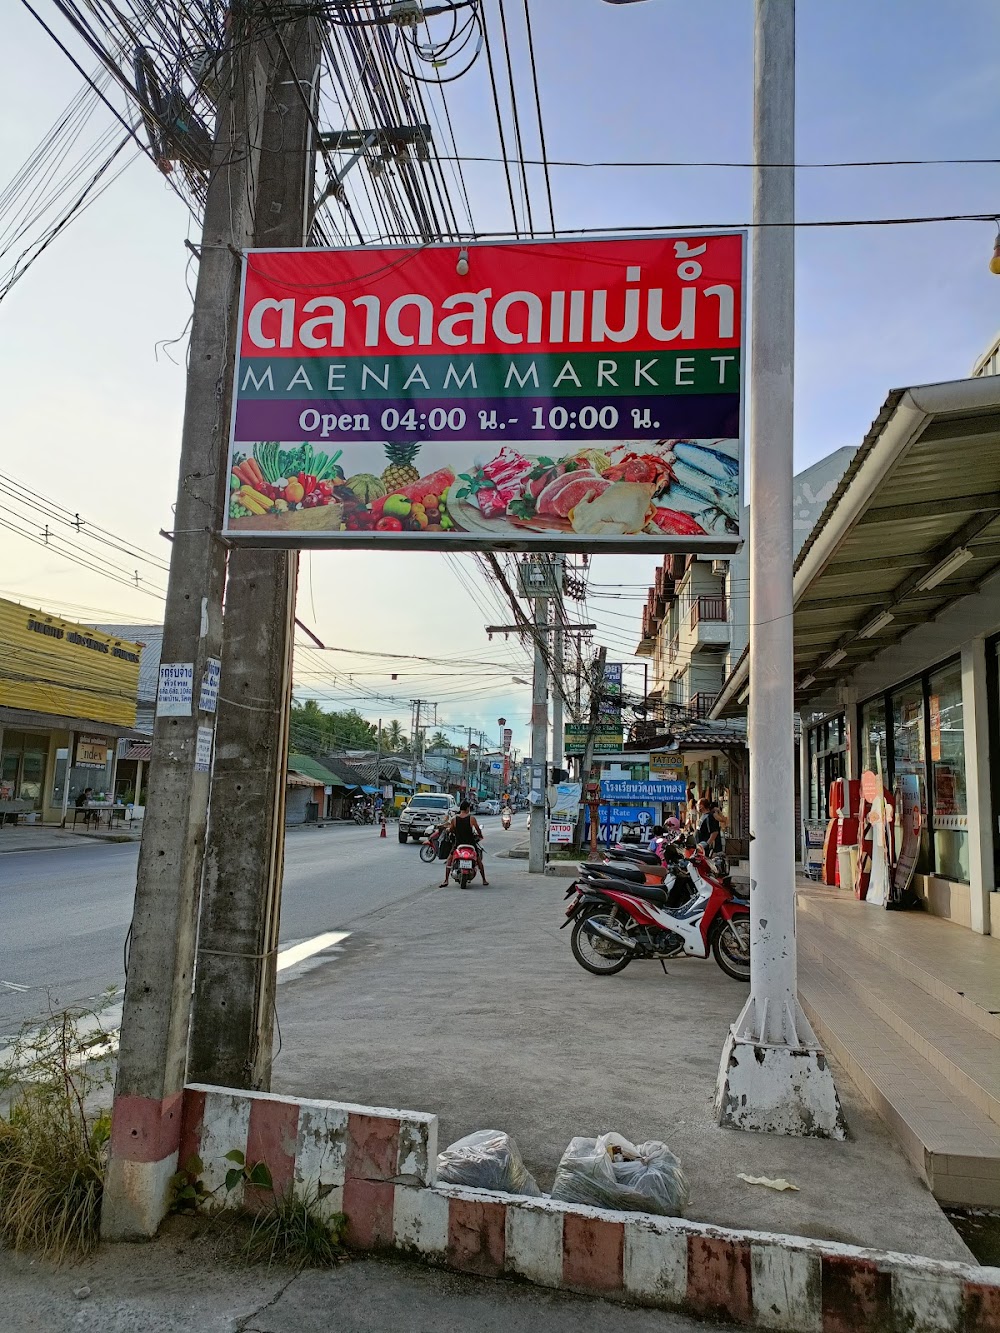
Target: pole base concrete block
[
  {"x": 771, "y": 1089},
  {"x": 136, "y": 1197}
]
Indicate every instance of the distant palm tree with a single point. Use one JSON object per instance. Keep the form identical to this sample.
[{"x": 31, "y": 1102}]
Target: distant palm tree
[
  {"x": 393, "y": 737},
  {"x": 439, "y": 741}
]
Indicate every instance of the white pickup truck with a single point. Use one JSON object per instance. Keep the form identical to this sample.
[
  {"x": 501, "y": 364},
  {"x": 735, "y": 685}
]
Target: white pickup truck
[{"x": 424, "y": 812}]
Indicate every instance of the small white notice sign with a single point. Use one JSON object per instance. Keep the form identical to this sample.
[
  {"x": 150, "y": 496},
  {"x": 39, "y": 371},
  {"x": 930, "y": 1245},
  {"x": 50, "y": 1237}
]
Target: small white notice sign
[
  {"x": 208, "y": 701},
  {"x": 203, "y": 750},
  {"x": 175, "y": 689}
]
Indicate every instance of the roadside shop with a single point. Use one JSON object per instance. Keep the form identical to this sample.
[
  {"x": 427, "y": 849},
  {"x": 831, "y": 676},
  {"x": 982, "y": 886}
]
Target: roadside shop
[
  {"x": 67, "y": 699},
  {"x": 897, "y": 654}
]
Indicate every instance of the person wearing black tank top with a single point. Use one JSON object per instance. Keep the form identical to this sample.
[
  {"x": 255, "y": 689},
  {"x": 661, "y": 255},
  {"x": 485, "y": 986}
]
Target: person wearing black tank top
[{"x": 465, "y": 831}]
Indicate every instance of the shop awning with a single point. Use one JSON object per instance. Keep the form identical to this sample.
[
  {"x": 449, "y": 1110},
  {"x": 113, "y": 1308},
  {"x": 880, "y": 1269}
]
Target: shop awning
[
  {"x": 26, "y": 719},
  {"x": 913, "y": 527}
]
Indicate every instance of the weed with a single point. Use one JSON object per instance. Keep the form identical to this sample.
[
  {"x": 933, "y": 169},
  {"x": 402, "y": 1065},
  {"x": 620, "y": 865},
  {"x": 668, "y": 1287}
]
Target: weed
[
  {"x": 53, "y": 1143},
  {"x": 187, "y": 1189},
  {"x": 292, "y": 1232}
]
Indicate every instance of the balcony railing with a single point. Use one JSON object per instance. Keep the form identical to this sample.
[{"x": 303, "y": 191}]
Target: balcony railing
[
  {"x": 701, "y": 703},
  {"x": 672, "y": 650},
  {"x": 708, "y": 608}
]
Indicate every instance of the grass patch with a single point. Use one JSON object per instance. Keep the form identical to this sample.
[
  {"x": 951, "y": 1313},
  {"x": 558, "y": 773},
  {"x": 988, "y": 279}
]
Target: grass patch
[
  {"x": 53, "y": 1143},
  {"x": 294, "y": 1234}
]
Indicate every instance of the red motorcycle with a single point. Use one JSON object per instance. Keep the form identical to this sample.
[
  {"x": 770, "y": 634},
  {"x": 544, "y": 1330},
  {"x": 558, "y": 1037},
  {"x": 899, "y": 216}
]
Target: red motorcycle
[
  {"x": 617, "y": 917},
  {"x": 464, "y": 865},
  {"x": 436, "y": 845}
]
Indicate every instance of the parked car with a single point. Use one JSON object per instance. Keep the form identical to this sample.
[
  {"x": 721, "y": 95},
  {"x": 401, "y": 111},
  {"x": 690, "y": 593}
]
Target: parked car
[
  {"x": 424, "y": 812},
  {"x": 489, "y": 807}
]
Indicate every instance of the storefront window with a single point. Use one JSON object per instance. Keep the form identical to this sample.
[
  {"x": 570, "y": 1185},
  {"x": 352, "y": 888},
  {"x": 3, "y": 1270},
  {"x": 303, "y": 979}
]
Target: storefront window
[
  {"x": 827, "y": 750},
  {"x": 24, "y": 760},
  {"x": 949, "y": 809},
  {"x": 909, "y": 756},
  {"x": 874, "y": 757}
]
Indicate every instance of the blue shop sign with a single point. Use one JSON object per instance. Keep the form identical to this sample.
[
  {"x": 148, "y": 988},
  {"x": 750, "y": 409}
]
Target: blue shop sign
[{"x": 624, "y": 789}]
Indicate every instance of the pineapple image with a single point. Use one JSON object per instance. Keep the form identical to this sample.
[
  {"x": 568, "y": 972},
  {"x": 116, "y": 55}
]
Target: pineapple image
[{"x": 400, "y": 471}]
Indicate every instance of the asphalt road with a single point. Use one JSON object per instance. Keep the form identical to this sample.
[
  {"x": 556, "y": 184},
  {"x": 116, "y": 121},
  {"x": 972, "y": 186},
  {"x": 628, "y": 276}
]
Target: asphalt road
[{"x": 66, "y": 912}]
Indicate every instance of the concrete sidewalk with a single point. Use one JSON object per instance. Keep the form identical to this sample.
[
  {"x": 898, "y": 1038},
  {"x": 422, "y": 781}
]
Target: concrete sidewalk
[
  {"x": 470, "y": 1005},
  {"x": 192, "y": 1280},
  {"x": 50, "y": 838}
]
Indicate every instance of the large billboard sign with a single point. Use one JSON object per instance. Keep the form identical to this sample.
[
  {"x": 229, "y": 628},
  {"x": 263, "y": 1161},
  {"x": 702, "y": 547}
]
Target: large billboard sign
[
  {"x": 59, "y": 667},
  {"x": 575, "y": 395}
]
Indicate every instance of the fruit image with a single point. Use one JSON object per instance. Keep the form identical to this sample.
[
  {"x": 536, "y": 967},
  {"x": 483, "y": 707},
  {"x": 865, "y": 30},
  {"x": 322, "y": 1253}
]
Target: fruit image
[
  {"x": 389, "y": 524},
  {"x": 366, "y": 487},
  {"x": 400, "y": 471},
  {"x": 397, "y": 505}
]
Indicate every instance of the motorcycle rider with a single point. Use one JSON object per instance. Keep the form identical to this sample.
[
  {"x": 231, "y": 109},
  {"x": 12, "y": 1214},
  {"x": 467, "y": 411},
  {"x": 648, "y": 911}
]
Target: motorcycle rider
[{"x": 465, "y": 832}]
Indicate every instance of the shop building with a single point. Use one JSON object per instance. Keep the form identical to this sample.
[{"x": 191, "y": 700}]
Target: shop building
[
  {"x": 897, "y": 635},
  {"x": 68, "y": 696}
]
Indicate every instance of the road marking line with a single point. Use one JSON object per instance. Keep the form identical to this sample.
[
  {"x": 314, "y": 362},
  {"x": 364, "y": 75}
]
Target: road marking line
[
  {"x": 289, "y": 957},
  {"x": 100, "y": 1025}
]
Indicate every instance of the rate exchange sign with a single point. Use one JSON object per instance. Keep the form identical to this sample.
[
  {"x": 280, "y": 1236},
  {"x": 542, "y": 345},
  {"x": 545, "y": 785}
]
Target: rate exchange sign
[{"x": 574, "y": 395}]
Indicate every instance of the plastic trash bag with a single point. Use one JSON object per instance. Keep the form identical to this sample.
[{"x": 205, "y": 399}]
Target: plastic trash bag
[
  {"x": 610, "y": 1172},
  {"x": 487, "y": 1160}
]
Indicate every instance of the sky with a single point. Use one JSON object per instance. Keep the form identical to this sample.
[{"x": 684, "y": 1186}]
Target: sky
[{"x": 92, "y": 338}]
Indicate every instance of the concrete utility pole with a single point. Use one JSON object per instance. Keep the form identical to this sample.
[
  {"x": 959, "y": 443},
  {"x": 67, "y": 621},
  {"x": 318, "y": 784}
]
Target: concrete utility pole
[
  {"x": 539, "y": 740},
  {"x": 557, "y": 668},
  {"x": 153, "y": 1046},
  {"x": 414, "y": 742},
  {"x": 587, "y": 759},
  {"x": 773, "y": 1076},
  {"x": 233, "y": 1016}
]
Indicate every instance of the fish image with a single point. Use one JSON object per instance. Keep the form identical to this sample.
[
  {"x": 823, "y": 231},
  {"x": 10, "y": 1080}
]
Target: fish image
[
  {"x": 723, "y": 470},
  {"x": 696, "y": 487}
]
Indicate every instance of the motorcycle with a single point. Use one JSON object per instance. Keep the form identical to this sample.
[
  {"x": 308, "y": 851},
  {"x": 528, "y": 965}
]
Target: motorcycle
[
  {"x": 617, "y": 918},
  {"x": 464, "y": 865},
  {"x": 435, "y": 845},
  {"x": 505, "y": 817},
  {"x": 363, "y": 814}
]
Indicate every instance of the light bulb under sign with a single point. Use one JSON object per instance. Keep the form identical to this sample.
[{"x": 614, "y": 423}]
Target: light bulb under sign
[{"x": 462, "y": 267}]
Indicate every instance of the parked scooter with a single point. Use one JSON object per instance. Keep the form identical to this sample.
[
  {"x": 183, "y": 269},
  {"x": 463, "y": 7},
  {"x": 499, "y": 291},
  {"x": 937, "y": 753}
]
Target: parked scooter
[
  {"x": 436, "y": 845},
  {"x": 505, "y": 817},
  {"x": 619, "y": 918}
]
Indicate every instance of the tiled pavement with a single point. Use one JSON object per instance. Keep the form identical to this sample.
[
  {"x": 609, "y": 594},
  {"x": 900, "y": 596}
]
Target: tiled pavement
[{"x": 907, "y": 1002}]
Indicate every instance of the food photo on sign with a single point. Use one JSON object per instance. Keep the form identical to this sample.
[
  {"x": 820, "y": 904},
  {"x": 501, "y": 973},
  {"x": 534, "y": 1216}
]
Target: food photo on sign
[{"x": 584, "y": 391}]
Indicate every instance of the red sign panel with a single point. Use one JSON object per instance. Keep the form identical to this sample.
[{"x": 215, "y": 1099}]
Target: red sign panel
[{"x": 571, "y": 395}]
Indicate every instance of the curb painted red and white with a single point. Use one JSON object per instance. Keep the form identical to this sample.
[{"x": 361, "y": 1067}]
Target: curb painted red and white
[{"x": 377, "y": 1166}]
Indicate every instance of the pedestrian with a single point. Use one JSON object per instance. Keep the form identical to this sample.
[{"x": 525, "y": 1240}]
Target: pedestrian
[
  {"x": 83, "y": 802},
  {"x": 709, "y": 828}
]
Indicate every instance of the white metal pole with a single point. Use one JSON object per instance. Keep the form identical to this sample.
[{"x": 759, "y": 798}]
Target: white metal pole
[
  {"x": 539, "y": 741},
  {"x": 773, "y": 1076},
  {"x": 69, "y": 769},
  {"x": 772, "y": 343}
]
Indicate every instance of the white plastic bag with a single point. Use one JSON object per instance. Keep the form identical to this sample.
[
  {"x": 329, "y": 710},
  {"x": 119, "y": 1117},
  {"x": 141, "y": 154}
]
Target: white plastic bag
[
  {"x": 610, "y": 1172},
  {"x": 487, "y": 1160}
]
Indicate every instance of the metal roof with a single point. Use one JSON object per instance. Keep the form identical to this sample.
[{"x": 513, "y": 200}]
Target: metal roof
[
  {"x": 151, "y": 638},
  {"x": 312, "y": 768},
  {"x": 913, "y": 527}
]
